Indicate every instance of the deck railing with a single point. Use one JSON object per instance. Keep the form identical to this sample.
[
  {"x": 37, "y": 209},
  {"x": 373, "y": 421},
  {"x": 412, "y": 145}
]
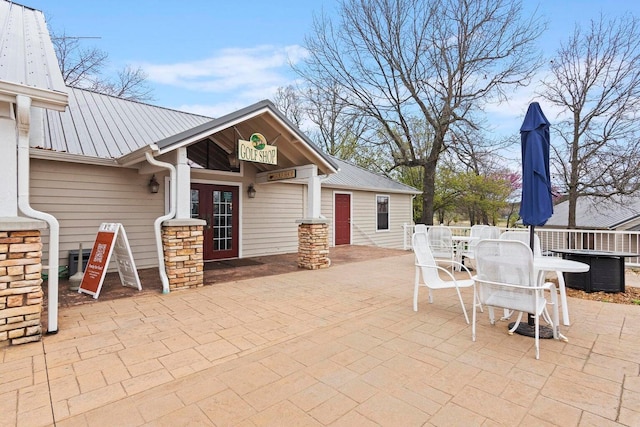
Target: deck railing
[{"x": 550, "y": 238}]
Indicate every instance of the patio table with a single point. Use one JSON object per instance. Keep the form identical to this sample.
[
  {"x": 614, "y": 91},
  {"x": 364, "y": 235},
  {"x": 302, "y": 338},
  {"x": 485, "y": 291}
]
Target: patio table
[
  {"x": 460, "y": 243},
  {"x": 544, "y": 264}
]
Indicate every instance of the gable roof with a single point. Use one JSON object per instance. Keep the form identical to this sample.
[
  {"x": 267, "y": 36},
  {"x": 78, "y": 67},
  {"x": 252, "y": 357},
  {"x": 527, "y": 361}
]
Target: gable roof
[
  {"x": 28, "y": 64},
  {"x": 597, "y": 213},
  {"x": 351, "y": 176},
  {"x": 265, "y": 114}
]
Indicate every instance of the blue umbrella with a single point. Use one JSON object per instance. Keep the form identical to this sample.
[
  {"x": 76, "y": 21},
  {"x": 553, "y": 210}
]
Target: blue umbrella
[{"x": 536, "y": 206}]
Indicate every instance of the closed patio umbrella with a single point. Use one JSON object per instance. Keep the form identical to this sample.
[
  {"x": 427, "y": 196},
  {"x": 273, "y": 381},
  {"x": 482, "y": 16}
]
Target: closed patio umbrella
[{"x": 536, "y": 205}]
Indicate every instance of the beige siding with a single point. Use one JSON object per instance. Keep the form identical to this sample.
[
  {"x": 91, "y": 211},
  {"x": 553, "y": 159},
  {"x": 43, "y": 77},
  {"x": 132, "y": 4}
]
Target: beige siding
[
  {"x": 269, "y": 221},
  {"x": 82, "y": 197},
  {"x": 363, "y": 220}
]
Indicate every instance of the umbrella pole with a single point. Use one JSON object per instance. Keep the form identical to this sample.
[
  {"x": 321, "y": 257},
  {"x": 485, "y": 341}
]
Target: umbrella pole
[{"x": 529, "y": 329}]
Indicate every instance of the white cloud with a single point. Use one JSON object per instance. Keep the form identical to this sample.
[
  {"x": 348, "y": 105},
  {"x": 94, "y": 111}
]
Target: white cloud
[{"x": 231, "y": 70}]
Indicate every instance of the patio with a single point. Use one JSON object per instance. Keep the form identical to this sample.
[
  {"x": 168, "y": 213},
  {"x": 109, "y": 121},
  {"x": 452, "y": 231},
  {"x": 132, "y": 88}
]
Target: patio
[{"x": 338, "y": 347}]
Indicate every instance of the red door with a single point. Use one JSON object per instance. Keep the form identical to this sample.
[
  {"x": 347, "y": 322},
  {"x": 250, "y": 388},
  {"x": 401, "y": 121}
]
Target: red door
[
  {"x": 218, "y": 205},
  {"x": 342, "y": 219}
]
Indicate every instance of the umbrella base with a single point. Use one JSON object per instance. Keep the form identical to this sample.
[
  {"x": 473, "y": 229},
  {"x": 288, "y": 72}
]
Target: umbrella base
[{"x": 530, "y": 331}]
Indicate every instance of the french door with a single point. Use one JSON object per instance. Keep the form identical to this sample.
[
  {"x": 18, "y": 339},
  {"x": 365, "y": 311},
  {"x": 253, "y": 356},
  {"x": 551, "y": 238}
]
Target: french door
[{"x": 218, "y": 206}]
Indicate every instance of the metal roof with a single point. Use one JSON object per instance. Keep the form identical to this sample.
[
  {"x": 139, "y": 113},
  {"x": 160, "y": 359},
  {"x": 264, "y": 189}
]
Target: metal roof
[
  {"x": 597, "y": 212},
  {"x": 28, "y": 64},
  {"x": 351, "y": 176},
  {"x": 102, "y": 126}
]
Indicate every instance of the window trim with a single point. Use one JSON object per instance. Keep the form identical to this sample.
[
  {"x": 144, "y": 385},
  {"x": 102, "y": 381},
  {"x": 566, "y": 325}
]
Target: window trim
[{"x": 378, "y": 229}]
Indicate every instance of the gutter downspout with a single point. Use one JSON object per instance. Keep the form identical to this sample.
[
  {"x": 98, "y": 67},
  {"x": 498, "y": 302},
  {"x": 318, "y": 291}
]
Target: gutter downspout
[
  {"x": 157, "y": 225},
  {"x": 23, "y": 118}
]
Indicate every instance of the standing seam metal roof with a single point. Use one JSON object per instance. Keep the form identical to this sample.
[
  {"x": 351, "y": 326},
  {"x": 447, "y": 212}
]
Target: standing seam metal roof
[
  {"x": 26, "y": 52},
  {"x": 103, "y": 126}
]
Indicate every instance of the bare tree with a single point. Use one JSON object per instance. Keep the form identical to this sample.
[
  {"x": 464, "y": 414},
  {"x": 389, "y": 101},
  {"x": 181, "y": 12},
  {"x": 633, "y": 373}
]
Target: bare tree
[
  {"x": 339, "y": 130},
  {"x": 596, "y": 82},
  {"x": 84, "y": 67},
  {"x": 289, "y": 100},
  {"x": 418, "y": 67}
]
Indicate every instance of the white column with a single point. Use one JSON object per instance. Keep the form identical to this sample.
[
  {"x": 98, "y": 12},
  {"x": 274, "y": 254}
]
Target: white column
[
  {"x": 8, "y": 161},
  {"x": 314, "y": 192},
  {"x": 183, "y": 181}
]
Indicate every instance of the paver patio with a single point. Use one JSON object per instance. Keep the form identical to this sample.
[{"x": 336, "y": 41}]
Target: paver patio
[{"x": 334, "y": 347}]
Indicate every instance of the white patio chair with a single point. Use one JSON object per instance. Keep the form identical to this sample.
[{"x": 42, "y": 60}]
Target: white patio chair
[
  {"x": 524, "y": 237},
  {"x": 441, "y": 244},
  {"x": 478, "y": 232},
  {"x": 428, "y": 269},
  {"x": 420, "y": 228},
  {"x": 506, "y": 279},
  {"x": 494, "y": 232}
]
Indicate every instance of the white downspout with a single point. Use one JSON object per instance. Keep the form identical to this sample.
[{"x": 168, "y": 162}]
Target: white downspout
[
  {"x": 23, "y": 116},
  {"x": 157, "y": 225}
]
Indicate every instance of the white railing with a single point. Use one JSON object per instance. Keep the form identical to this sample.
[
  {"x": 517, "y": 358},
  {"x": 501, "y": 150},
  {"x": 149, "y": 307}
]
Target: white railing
[{"x": 550, "y": 239}]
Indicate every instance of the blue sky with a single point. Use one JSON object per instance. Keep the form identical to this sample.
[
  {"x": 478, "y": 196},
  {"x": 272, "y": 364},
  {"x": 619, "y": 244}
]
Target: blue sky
[{"x": 213, "y": 57}]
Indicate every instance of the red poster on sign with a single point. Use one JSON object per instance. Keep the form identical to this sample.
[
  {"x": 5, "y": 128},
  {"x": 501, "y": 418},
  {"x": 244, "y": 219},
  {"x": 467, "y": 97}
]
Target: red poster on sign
[{"x": 97, "y": 264}]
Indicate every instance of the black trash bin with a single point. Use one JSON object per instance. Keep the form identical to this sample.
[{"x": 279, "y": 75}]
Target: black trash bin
[{"x": 73, "y": 260}]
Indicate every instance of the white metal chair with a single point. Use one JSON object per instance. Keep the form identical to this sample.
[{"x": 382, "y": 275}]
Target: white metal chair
[
  {"x": 524, "y": 237},
  {"x": 494, "y": 232},
  {"x": 506, "y": 279},
  {"x": 428, "y": 269},
  {"x": 478, "y": 232},
  {"x": 441, "y": 244}
]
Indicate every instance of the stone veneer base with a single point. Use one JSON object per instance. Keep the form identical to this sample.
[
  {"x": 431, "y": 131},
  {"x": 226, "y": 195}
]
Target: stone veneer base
[
  {"x": 313, "y": 245},
  {"x": 20, "y": 286},
  {"x": 183, "y": 255}
]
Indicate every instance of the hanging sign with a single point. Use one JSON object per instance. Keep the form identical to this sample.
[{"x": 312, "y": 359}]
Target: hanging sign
[
  {"x": 111, "y": 239},
  {"x": 257, "y": 150}
]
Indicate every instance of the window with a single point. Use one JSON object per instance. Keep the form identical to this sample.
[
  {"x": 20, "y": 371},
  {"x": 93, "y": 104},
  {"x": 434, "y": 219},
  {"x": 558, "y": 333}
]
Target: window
[{"x": 382, "y": 203}]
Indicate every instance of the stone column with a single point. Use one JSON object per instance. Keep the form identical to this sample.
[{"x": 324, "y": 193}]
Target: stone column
[
  {"x": 20, "y": 286},
  {"x": 183, "y": 253},
  {"x": 313, "y": 244}
]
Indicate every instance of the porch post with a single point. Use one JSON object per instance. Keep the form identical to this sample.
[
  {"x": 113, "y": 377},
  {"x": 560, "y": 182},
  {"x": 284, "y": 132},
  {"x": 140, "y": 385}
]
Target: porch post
[
  {"x": 183, "y": 181},
  {"x": 313, "y": 231},
  {"x": 314, "y": 192},
  {"x": 182, "y": 237}
]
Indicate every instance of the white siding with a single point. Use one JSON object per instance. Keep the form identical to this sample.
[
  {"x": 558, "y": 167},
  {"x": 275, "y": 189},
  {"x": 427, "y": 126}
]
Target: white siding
[
  {"x": 82, "y": 197},
  {"x": 363, "y": 220}
]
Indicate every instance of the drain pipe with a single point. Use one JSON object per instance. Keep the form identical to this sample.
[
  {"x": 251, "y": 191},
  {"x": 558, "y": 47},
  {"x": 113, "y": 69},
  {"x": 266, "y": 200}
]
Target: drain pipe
[
  {"x": 23, "y": 116},
  {"x": 157, "y": 225}
]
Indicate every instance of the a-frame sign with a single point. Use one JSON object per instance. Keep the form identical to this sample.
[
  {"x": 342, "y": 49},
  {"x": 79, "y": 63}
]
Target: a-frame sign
[{"x": 111, "y": 238}]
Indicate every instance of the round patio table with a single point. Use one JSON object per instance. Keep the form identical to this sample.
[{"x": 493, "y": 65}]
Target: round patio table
[{"x": 544, "y": 264}]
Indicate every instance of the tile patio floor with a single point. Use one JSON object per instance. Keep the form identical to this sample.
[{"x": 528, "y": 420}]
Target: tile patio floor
[{"x": 335, "y": 347}]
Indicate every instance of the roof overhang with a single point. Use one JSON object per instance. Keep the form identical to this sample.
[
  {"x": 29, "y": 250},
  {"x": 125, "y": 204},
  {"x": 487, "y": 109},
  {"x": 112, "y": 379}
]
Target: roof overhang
[
  {"x": 44, "y": 98},
  {"x": 294, "y": 148}
]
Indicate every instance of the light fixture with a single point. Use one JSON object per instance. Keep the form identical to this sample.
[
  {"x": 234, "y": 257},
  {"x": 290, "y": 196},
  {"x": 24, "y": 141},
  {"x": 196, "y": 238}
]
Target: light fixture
[
  {"x": 234, "y": 162},
  {"x": 251, "y": 191},
  {"x": 154, "y": 185}
]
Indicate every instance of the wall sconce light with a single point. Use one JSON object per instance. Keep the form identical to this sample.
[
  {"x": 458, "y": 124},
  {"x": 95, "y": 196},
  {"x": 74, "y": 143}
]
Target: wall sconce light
[
  {"x": 154, "y": 185},
  {"x": 251, "y": 191}
]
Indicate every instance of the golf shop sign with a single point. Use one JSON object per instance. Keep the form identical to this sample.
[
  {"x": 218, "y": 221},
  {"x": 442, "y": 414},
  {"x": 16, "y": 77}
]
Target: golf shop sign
[{"x": 257, "y": 150}]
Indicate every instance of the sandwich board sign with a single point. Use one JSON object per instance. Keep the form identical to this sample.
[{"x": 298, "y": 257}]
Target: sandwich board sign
[{"x": 111, "y": 239}]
